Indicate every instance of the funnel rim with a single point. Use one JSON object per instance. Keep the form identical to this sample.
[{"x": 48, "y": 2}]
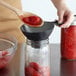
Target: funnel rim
[{"x": 37, "y": 29}]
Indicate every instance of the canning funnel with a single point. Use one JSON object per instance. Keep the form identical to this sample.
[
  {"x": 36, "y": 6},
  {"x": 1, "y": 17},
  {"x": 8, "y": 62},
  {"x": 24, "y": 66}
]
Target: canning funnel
[{"x": 39, "y": 33}]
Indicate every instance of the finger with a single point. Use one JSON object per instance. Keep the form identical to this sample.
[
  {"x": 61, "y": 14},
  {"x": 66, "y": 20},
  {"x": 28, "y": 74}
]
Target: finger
[
  {"x": 60, "y": 15},
  {"x": 68, "y": 21}
]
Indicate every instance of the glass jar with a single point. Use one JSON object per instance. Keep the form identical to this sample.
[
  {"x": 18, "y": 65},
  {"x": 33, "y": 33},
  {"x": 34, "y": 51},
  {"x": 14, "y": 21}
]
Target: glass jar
[
  {"x": 37, "y": 58},
  {"x": 68, "y": 41}
]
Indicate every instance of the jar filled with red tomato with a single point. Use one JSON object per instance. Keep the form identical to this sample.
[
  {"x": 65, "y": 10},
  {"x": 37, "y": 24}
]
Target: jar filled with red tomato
[
  {"x": 68, "y": 42},
  {"x": 37, "y": 62}
]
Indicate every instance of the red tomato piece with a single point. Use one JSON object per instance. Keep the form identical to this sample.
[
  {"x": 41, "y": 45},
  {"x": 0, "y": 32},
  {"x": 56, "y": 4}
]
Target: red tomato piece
[
  {"x": 35, "y": 65},
  {"x": 4, "y": 59},
  {"x": 4, "y": 53},
  {"x": 29, "y": 71},
  {"x": 32, "y": 20}
]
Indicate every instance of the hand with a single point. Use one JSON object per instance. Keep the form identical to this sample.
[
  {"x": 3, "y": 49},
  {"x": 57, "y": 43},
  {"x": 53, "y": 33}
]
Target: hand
[{"x": 65, "y": 16}]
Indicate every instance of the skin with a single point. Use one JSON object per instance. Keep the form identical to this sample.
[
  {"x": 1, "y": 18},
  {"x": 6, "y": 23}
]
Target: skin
[{"x": 65, "y": 15}]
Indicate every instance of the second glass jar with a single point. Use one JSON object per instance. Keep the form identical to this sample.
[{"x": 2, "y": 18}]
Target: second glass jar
[{"x": 37, "y": 58}]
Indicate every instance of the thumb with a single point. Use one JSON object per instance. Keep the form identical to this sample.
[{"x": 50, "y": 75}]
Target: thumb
[{"x": 60, "y": 15}]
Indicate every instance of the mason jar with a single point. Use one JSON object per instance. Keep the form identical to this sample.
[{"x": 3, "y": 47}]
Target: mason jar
[
  {"x": 37, "y": 58},
  {"x": 68, "y": 42}
]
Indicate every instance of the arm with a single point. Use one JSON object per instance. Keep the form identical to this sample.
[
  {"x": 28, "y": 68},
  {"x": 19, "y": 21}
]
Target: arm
[
  {"x": 58, "y": 3},
  {"x": 64, "y": 13}
]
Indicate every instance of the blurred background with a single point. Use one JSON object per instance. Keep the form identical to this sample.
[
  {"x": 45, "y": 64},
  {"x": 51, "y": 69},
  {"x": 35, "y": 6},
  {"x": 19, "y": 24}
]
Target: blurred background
[{"x": 46, "y": 10}]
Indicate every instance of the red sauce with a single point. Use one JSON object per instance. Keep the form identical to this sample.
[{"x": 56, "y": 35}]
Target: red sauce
[
  {"x": 34, "y": 69},
  {"x": 33, "y": 21},
  {"x": 68, "y": 42},
  {"x": 4, "y": 58}
]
